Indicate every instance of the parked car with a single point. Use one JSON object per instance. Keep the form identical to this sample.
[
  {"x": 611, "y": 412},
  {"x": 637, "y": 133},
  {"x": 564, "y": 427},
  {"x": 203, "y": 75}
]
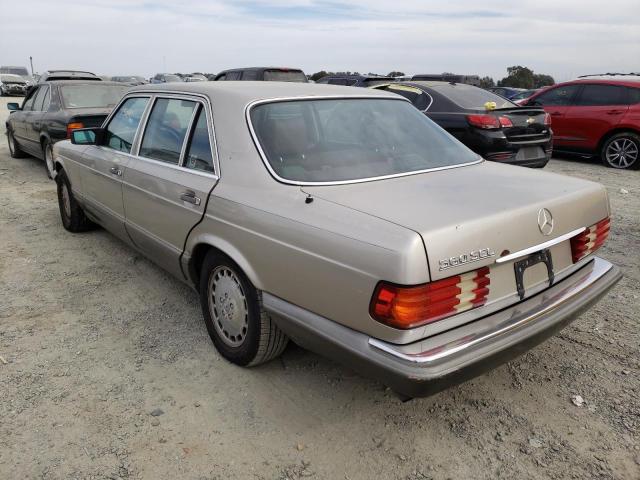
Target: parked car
[
  {"x": 592, "y": 116},
  {"x": 355, "y": 80},
  {"x": 52, "y": 110},
  {"x": 488, "y": 124},
  {"x": 522, "y": 96},
  {"x": 130, "y": 79},
  {"x": 195, "y": 77},
  {"x": 12, "y": 85},
  {"x": 20, "y": 71},
  {"x": 165, "y": 78},
  {"x": 266, "y": 74},
  {"x": 506, "y": 92},
  {"x": 310, "y": 211},
  {"x": 51, "y": 75}
]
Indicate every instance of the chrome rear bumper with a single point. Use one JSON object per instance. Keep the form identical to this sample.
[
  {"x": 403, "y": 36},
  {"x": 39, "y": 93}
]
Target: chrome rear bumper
[{"x": 432, "y": 364}]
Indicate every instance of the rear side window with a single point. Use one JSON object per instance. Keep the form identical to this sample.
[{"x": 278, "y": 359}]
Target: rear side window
[
  {"x": 250, "y": 75},
  {"x": 233, "y": 75},
  {"x": 417, "y": 97},
  {"x": 594, "y": 95},
  {"x": 472, "y": 98},
  {"x": 284, "y": 76},
  {"x": 199, "y": 155},
  {"x": 634, "y": 95},
  {"x": 559, "y": 96},
  {"x": 122, "y": 128},
  {"x": 166, "y": 129}
]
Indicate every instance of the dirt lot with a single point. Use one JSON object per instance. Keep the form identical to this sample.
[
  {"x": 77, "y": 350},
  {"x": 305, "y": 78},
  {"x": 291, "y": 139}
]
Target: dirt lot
[{"x": 107, "y": 372}]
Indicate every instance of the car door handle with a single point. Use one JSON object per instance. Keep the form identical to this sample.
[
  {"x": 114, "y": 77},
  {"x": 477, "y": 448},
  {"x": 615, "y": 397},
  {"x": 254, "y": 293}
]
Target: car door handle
[
  {"x": 116, "y": 171},
  {"x": 190, "y": 197}
]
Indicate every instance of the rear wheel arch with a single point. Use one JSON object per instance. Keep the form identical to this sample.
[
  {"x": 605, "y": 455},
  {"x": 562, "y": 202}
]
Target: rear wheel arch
[
  {"x": 200, "y": 251},
  {"x": 613, "y": 132}
]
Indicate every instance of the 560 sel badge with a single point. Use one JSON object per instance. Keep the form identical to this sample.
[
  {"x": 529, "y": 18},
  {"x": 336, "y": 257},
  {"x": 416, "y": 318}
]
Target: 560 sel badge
[{"x": 472, "y": 256}]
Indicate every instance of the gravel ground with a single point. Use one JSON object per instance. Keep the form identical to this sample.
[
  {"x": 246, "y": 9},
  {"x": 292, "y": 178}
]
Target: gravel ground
[{"x": 107, "y": 372}]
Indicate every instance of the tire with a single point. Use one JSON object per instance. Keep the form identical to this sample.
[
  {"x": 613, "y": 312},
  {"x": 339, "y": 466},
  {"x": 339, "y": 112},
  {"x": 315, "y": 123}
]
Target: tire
[
  {"x": 72, "y": 216},
  {"x": 622, "y": 151},
  {"x": 47, "y": 154},
  {"x": 241, "y": 330},
  {"x": 14, "y": 149}
]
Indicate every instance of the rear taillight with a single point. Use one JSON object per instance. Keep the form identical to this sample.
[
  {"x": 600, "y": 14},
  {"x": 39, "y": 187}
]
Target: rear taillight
[
  {"x": 408, "y": 307},
  {"x": 505, "y": 122},
  {"x": 73, "y": 126},
  {"x": 590, "y": 240},
  {"x": 547, "y": 120},
  {"x": 488, "y": 122}
]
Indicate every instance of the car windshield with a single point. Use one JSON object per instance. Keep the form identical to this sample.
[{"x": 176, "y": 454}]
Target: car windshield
[
  {"x": 11, "y": 79},
  {"x": 15, "y": 71},
  {"x": 284, "y": 76},
  {"x": 87, "y": 96},
  {"x": 472, "y": 98},
  {"x": 351, "y": 139},
  {"x": 523, "y": 95}
]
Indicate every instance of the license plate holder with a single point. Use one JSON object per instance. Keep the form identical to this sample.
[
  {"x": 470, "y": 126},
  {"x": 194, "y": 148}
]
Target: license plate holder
[{"x": 519, "y": 267}]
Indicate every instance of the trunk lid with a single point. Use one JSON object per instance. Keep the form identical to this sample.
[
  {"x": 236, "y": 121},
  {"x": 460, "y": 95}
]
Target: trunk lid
[
  {"x": 89, "y": 117},
  {"x": 528, "y": 124},
  {"x": 484, "y": 206}
]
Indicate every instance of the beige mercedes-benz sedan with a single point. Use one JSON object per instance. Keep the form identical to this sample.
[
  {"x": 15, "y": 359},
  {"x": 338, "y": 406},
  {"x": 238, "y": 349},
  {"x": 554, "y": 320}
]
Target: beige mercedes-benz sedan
[{"x": 342, "y": 219}]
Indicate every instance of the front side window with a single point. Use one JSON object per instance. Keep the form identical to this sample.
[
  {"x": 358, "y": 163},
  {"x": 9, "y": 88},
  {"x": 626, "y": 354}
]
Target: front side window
[
  {"x": 37, "y": 102},
  {"x": 28, "y": 103},
  {"x": 559, "y": 96},
  {"x": 46, "y": 101},
  {"x": 599, "y": 95},
  {"x": 166, "y": 129},
  {"x": 276, "y": 75},
  {"x": 351, "y": 139},
  {"x": 122, "y": 128},
  {"x": 198, "y": 154}
]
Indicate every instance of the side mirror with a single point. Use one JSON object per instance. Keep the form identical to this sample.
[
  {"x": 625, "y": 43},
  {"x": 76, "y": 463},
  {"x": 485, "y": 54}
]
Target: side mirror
[
  {"x": 13, "y": 106},
  {"x": 86, "y": 136}
]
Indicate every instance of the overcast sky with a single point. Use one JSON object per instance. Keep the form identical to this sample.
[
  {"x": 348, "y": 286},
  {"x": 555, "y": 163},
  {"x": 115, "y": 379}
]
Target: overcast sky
[{"x": 564, "y": 38}]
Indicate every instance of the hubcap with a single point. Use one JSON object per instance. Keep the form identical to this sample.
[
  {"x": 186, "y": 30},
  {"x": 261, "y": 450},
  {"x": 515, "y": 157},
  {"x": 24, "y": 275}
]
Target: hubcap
[
  {"x": 622, "y": 153},
  {"x": 228, "y": 306},
  {"x": 66, "y": 201}
]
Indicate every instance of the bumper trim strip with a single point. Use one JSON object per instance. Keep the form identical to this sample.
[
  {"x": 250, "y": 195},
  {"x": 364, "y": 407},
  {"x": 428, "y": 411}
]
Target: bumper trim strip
[{"x": 541, "y": 246}]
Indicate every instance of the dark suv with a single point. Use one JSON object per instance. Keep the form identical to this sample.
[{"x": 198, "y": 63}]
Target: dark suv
[
  {"x": 595, "y": 116},
  {"x": 263, "y": 74},
  {"x": 355, "y": 80}
]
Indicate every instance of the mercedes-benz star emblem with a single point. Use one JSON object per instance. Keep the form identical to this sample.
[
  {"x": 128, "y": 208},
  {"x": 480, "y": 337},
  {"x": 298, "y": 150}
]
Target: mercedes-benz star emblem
[{"x": 545, "y": 221}]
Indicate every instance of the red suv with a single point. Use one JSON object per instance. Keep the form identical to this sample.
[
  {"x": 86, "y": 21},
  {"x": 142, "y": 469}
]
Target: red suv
[{"x": 600, "y": 116}]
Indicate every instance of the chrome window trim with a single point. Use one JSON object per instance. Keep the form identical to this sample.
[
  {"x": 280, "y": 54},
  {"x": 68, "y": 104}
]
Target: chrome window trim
[
  {"x": 263, "y": 156},
  {"x": 197, "y": 97},
  {"x": 540, "y": 246}
]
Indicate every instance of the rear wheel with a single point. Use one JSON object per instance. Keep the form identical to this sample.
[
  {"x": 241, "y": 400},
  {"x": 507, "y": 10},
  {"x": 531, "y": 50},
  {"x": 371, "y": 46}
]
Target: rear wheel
[
  {"x": 47, "y": 154},
  {"x": 241, "y": 330},
  {"x": 14, "y": 149},
  {"x": 622, "y": 151},
  {"x": 71, "y": 213}
]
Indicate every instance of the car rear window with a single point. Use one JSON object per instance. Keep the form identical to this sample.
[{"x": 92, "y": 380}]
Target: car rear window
[
  {"x": 472, "y": 98},
  {"x": 91, "y": 96},
  {"x": 351, "y": 139},
  {"x": 284, "y": 76}
]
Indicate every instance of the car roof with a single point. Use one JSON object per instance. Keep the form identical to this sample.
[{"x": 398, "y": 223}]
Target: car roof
[
  {"x": 259, "y": 68},
  {"x": 244, "y": 93},
  {"x": 603, "y": 81},
  {"x": 80, "y": 82}
]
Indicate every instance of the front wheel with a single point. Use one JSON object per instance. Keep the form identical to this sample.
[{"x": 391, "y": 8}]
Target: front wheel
[
  {"x": 14, "y": 149},
  {"x": 71, "y": 213},
  {"x": 241, "y": 330},
  {"x": 622, "y": 151}
]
